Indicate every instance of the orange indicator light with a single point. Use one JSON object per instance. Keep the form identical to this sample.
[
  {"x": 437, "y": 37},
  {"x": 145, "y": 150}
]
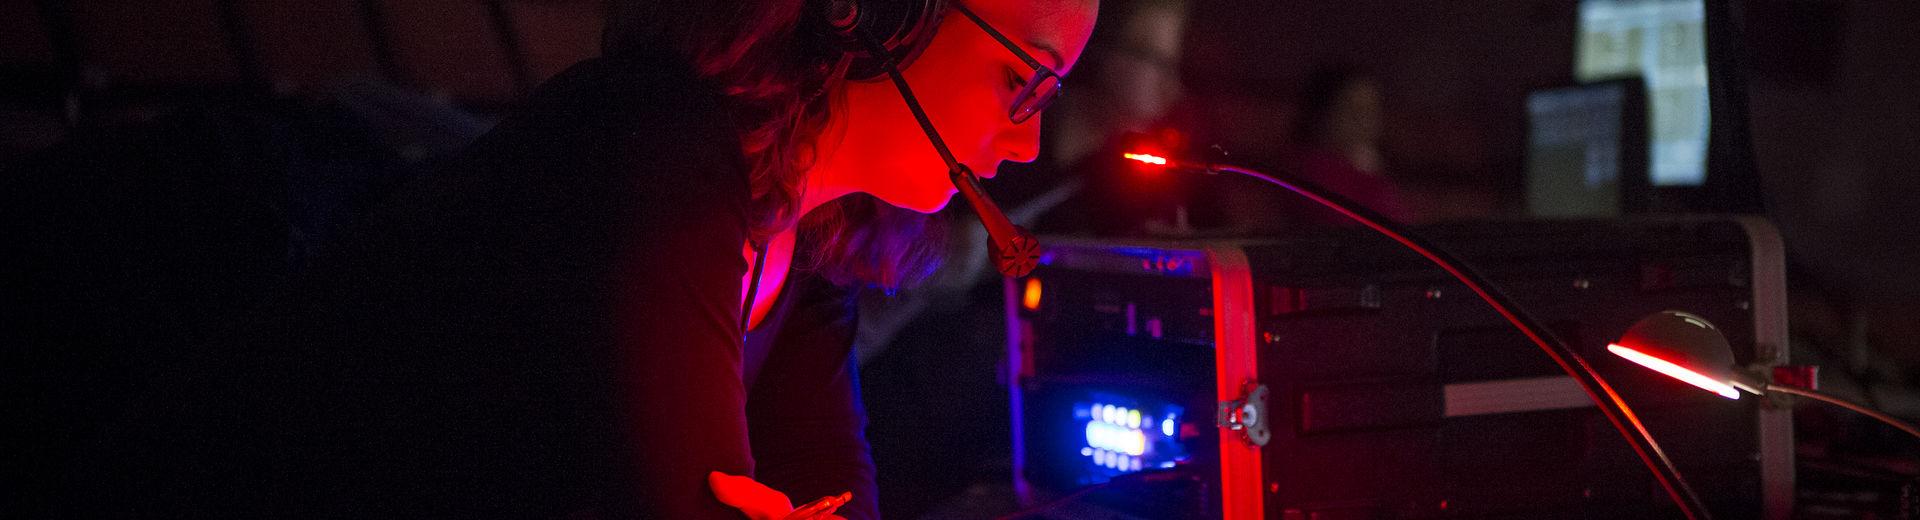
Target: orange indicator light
[{"x": 1031, "y": 299}]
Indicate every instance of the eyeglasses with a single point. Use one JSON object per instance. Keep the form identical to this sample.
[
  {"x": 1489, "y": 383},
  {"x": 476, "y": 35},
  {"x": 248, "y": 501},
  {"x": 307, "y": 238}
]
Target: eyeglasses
[{"x": 1039, "y": 90}]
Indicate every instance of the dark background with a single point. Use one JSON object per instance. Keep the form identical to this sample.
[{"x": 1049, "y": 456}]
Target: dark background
[
  {"x": 1831, "y": 86},
  {"x": 1834, "y": 120}
]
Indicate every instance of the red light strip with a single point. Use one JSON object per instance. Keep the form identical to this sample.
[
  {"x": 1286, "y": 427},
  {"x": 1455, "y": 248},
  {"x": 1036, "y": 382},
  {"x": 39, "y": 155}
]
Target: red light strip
[
  {"x": 1236, "y": 366},
  {"x": 1147, "y": 158},
  {"x": 1675, "y": 371}
]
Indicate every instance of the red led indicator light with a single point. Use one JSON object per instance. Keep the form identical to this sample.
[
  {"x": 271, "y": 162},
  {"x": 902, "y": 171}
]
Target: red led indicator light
[{"x": 1147, "y": 158}]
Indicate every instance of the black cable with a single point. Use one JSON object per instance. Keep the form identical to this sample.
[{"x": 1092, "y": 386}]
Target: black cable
[{"x": 1890, "y": 420}]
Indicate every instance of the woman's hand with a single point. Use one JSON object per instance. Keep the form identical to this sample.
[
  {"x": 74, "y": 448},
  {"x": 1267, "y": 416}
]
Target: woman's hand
[{"x": 754, "y": 499}]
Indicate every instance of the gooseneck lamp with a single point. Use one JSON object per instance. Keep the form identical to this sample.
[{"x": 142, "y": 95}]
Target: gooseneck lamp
[
  {"x": 1688, "y": 348},
  {"x": 1615, "y": 409}
]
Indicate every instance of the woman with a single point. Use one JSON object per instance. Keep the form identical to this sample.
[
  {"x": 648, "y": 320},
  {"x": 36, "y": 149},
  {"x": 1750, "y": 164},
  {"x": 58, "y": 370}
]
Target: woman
[{"x": 552, "y": 326}]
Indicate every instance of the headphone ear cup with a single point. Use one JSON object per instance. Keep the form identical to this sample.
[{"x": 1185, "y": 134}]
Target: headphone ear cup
[{"x": 903, "y": 27}]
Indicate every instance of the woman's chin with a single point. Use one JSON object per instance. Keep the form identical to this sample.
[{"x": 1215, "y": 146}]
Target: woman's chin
[
  {"x": 926, "y": 204},
  {"x": 936, "y": 205}
]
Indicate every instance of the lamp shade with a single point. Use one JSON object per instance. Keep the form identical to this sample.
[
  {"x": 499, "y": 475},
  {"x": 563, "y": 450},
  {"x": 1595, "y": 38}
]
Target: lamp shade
[{"x": 1682, "y": 346}]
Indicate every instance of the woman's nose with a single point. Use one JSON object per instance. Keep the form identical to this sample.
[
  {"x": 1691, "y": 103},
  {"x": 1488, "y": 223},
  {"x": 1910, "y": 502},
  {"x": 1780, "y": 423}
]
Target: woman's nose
[{"x": 1020, "y": 142}]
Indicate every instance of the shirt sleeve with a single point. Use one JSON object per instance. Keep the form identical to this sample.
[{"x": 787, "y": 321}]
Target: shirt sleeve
[
  {"x": 808, "y": 427},
  {"x": 545, "y": 327},
  {"x": 676, "y": 337},
  {"x": 641, "y": 184}
]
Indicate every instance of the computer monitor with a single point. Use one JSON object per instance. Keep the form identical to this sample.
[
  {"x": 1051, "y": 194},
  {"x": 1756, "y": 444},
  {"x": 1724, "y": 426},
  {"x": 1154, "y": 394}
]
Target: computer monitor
[
  {"x": 1664, "y": 42},
  {"x": 1587, "y": 150}
]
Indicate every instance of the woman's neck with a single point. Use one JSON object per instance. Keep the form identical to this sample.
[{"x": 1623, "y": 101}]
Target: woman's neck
[
  {"x": 831, "y": 175},
  {"x": 823, "y": 184}
]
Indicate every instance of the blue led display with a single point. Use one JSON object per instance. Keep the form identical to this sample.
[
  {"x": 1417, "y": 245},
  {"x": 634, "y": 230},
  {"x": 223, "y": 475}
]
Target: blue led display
[{"x": 1125, "y": 435}]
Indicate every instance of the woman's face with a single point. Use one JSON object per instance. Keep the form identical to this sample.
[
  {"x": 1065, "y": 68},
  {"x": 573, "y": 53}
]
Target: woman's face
[{"x": 966, "y": 80}]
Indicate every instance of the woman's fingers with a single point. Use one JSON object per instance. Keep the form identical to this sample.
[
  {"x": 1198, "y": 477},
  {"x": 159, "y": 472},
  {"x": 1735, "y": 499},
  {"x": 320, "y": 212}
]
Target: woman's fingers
[{"x": 752, "y": 498}]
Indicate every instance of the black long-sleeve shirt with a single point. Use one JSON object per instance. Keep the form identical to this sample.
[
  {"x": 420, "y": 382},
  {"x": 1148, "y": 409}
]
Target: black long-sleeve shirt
[{"x": 549, "y": 327}]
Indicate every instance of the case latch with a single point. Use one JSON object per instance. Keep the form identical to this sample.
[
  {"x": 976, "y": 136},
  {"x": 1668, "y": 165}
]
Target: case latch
[{"x": 1247, "y": 415}]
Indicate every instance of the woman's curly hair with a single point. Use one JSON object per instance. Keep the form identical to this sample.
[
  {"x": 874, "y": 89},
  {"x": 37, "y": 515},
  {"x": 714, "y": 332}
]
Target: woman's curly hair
[{"x": 775, "y": 69}]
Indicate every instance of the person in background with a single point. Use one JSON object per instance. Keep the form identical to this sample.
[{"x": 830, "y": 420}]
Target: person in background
[
  {"x": 1337, "y": 135},
  {"x": 1131, "y": 85},
  {"x": 1333, "y": 141}
]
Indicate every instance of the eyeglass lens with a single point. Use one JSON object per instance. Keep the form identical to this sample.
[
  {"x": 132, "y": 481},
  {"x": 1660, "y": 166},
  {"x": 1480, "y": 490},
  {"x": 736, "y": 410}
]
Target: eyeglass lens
[{"x": 1038, "y": 93}]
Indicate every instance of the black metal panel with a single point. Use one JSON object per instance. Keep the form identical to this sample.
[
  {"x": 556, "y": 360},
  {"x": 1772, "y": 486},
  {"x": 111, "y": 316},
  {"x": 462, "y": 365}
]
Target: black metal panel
[{"x": 1400, "y": 458}]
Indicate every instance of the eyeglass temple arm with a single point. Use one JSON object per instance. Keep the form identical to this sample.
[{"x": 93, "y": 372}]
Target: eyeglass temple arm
[
  {"x": 1001, "y": 37},
  {"x": 1014, "y": 250}
]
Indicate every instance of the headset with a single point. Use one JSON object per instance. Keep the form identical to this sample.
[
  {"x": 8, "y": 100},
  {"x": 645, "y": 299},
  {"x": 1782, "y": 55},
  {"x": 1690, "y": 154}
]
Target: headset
[
  {"x": 880, "y": 38},
  {"x": 902, "y": 27}
]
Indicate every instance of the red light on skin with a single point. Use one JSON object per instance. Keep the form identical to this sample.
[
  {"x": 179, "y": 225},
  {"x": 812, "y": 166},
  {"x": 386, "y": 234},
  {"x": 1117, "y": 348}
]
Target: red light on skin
[
  {"x": 1147, "y": 158},
  {"x": 1031, "y": 298},
  {"x": 1675, "y": 371}
]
